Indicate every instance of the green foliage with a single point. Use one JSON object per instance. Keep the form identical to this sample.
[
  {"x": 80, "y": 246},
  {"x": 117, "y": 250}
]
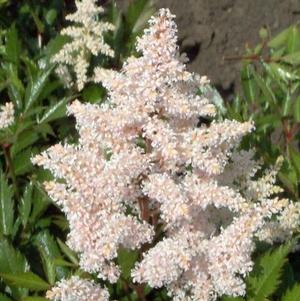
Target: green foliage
[
  {"x": 270, "y": 82},
  {"x": 265, "y": 277}
]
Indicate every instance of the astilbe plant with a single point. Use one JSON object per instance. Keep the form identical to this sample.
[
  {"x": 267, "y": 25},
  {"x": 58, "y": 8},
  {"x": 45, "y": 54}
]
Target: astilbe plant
[
  {"x": 147, "y": 174},
  {"x": 86, "y": 40}
]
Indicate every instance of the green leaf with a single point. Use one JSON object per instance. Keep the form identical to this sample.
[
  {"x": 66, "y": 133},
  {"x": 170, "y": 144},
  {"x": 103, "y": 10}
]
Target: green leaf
[
  {"x": 25, "y": 139},
  {"x": 56, "y": 44},
  {"x": 248, "y": 83},
  {"x": 266, "y": 90},
  {"x": 93, "y": 93},
  {"x": 292, "y": 294},
  {"x": 68, "y": 252},
  {"x": 41, "y": 202},
  {"x": 280, "y": 39},
  {"x": 139, "y": 12},
  {"x": 295, "y": 158},
  {"x": 48, "y": 266},
  {"x": 34, "y": 90},
  {"x": 51, "y": 16},
  {"x": 49, "y": 251},
  {"x": 126, "y": 260},
  {"x": 58, "y": 110},
  {"x": 296, "y": 110},
  {"x": 6, "y": 206},
  {"x": 265, "y": 277},
  {"x": 25, "y": 204},
  {"x": 22, "y": 161},
  {"x": 25, "y": 280},
  {"x": 13, "y": 46},
  {"x": 12, "y": 261},
  {"x": 293, "y": 58},
  {"x": 293, "y": 40}
]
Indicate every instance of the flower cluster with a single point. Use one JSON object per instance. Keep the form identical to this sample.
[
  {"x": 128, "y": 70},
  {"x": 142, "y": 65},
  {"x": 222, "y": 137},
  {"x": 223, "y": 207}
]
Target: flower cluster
[
  {"x": 86, "y": 39},
  {"x": 7, "y": 115},
  {"x": 145, "y": 162},
  {"x": 76, "y": 289}
]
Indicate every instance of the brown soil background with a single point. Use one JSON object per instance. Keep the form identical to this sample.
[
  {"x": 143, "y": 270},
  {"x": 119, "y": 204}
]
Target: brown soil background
[{"x": 210, "y": 30}]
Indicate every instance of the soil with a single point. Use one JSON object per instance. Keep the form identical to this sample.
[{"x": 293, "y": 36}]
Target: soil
[{"x": 211, "y": 30}]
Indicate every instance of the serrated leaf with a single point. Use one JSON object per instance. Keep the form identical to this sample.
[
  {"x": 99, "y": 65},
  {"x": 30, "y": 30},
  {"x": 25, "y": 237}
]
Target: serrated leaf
[
  {"x": 48, "y": 266},
  {"x": 56, "y": 111},
  {"x": 27, "y": 280},
  {"x": 41, "y": 202},
  {"x": 6, "y": 206},
  {"x": 22, "y": 161},
  {"x": 25, "y": 204},
  {"x": 265, "y": 277},
  {"x": 34, "y": 90},
  {"x": 24, "y": 140},
  {"x": 292, "y": 294},
  {"x": 12, "y": 261},
  {"x": 68, "y": 252},
  {"x": 49, "y": 249}
]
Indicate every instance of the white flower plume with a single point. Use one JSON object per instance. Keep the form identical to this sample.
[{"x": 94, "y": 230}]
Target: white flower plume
[
  {"x": 87, "y": 39},
  {"x": 145, "y": 162}
]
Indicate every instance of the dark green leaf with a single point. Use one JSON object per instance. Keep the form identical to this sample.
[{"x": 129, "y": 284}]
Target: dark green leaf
[
  {"x": 13, "y": 46},
  {"x": 56, "y": 111},
  {"x": 33, "y": 91},
  {"x": 265, "y": 277},
  {"x": 93, "y": 93},
  {"x": 68, "y": 252},
  {"x": 25, "y": 280},
  {"x": 6, "y": 206},
  {"x": 25, "y": 204}
]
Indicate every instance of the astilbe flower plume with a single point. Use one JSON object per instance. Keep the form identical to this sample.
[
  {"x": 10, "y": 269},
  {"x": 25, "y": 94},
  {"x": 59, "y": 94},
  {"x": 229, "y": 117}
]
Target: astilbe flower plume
[
  {"x": 145, "y": 162},
  {"x": 87, "y": 39},
  {"x": 7, "y": 113}
]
